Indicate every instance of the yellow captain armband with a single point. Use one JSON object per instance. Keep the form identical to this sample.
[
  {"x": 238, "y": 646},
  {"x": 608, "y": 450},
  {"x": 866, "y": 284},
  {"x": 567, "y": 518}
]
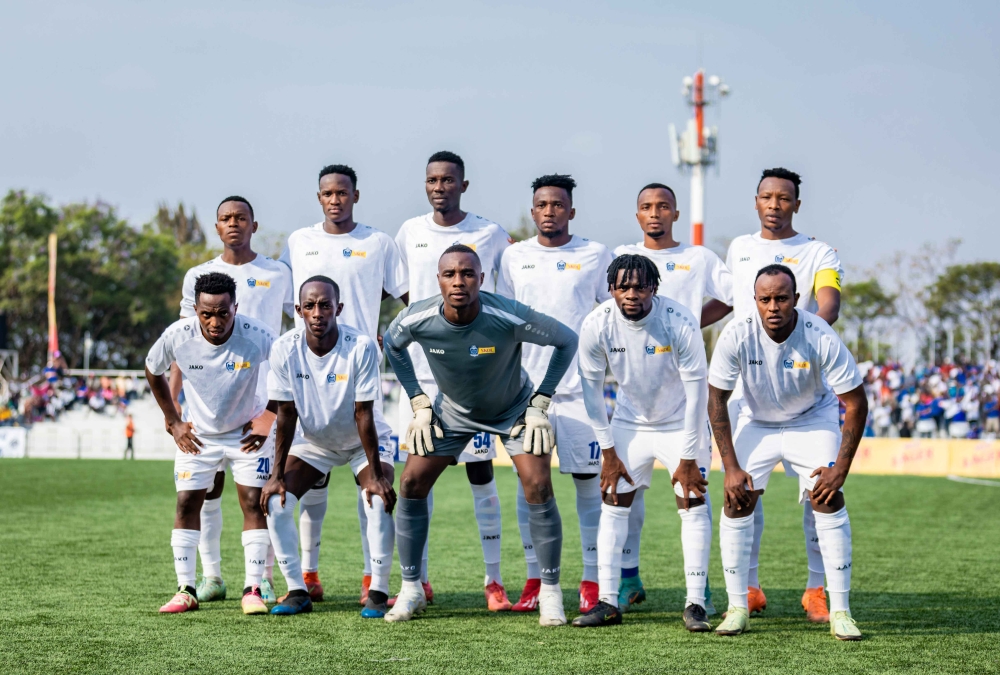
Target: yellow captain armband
[{"x": 827, "y": 278}]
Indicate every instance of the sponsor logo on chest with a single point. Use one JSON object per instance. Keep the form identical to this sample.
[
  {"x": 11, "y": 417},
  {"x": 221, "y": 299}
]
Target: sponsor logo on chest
[
  {"x": 656, "y": 349},
  {"x": 671, "y": 266},
  {"x": 233, "y": 366},
  {"x": 349, "y": 253},
  {"x": 333, "y": 378},
  {"x": 562, "y": 266},
  {"x": 792, "y": 364},
  {"x": 476, "y": 351},
  {"x": 781, "y": 259},
  {"x": 258, "y": 283}
]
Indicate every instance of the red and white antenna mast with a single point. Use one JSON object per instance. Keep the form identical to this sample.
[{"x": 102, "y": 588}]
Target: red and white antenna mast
[{"x": 697, "y": 147}]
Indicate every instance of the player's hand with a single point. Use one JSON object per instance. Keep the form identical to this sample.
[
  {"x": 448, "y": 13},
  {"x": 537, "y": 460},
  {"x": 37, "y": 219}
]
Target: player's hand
[
  {"x": 183, "y": 433},
  {"x": 379, "y": 338},
  {"x": 689, "y": 476},
  {"x": 830, "y": 480},
  {"x": 612, "y": 469},
  {"x": 380, "y": 487},
  {"x": 253, "y": 441},
  {"x": 737, "y": 489},
  {"x": 423, "y": 427},
  {"x": 273, "y": 486},
  {"x": 539, "y": 439}
]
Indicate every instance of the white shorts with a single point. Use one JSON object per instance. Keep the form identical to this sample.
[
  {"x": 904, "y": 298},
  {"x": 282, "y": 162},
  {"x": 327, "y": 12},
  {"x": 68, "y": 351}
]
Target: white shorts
[
  {"x": 324, "y": 460},
  {"x": 804, "y": 449},
  {"x": 481, "y": 448},
  {"x": 576, "y": 443},
  {"x": 639, "y": 449},
  {"x": 197, "y": 472}
]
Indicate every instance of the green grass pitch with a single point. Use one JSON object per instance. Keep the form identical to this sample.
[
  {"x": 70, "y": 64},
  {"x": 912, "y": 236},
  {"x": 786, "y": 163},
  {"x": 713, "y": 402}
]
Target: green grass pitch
[{"x": 84, "y": 549}]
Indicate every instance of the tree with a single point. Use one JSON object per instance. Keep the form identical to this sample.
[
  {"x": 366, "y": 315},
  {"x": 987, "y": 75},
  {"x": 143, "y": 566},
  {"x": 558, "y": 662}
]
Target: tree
[
  {"x": 186, "y": 230},
  {"x": 525, "y": 228},
  {"x": 113, "y": 280},
  {"x": 969, "y": 296},
  {"x": 864, "y": 305}
]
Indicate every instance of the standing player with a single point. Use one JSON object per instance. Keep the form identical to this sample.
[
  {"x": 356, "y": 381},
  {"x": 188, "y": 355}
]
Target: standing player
[
  {"x": 687, "y": 275},
  {"x": 220, "y": 354},
  {"x": 793, "y": 367},
  {"x": 325, "y": 378},
  {"x": 562, "y": 276},
  {"x": 473, "y": 344},
  {"x": 263, "y": 292},
  {"x": 421, "y": 243},
  {"x": 818, "y": 275},
  {"x": 365, "y": 263},
  {"x": 654, "y": 348}
]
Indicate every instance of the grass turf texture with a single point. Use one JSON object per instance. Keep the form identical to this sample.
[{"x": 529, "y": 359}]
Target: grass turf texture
[{"x": 84, "y": 548}]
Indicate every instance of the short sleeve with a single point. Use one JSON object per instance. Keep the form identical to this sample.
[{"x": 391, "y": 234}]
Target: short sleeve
[
  {"x": 187, "y": 295},
  {"x": 366, "y": 379},
  {"x": 279, "y": 386},
  {"x": 719, "y": 280},
  {"x": 400, "y": 241},
  {"x": 839, "y": 368},
  {"x": 690, "y": 345},
  {"x": 288, "y": 305},
  {"x": 601, "y": 292},
  {"x": 161, "y": 355},
  {"x": 394, "y": 278},
  {"x": 725, "y": 368},
  {"x": 592, "y": 359},
  {"x": 504, "y": 285}
]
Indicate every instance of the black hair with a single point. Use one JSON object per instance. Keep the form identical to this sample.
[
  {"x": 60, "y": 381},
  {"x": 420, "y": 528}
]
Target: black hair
[
  {"x": 784, "y": 174},
  {"x": 447, "y": 156},
  {"x": 773, "y": 271},
  {"x": 649, "y": 276},
  {"x": 343, "y": 170},
  {"x": 234, "y": 198},
  {"x": 659, "y": 186},
  {"x": 462, "y": 248},
  {"x": 215, "y": 283},
  {"x": 321, "y": 279},
  {"x": 557, "y": 180}
]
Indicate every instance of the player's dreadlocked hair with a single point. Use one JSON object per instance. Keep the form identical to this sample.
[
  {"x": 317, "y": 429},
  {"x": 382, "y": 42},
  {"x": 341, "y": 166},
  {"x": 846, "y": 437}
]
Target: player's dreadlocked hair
[
  {"x": 234, "y": 198},
  {"x": 784, "y": 174},
  {"x": 648, "y": 275},
  {"x": 774, "y": 270},
  {"x": 462, "y": 248},
  {"x": 343, "y": 170},
  {"x": 323, "y": 280},
  {"x": 558, "y": 180},
  {"x": 215, "y": 283}
]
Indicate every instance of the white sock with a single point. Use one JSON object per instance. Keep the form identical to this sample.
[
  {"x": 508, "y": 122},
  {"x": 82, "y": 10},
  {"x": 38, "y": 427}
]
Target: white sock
[
  {"x": 696, "y": 542},
  {"x": 185, "y": 544},
  {"x": 381, "y": 538},
  {"x": 269, "y": 565},
  {"x": 366, "y": 553},
  {"x": 834, "y": 530},
  {"x": 486, "y": 504},
  {"x": 813, "y": 554},
  {"x": 611, "y": 537},
  {"x": 255, "y": 543},
  {"x": 210, "y": 545},
  {"x": 630, "y": 547},
  {"x": 534, "y": 571},
  {"x": 758, "y": 532},
  {"x": 735, "y": 540},
  {"x": 588, "y": 510},
  {"x": 427, "y": 544},
  {"x": 281, "y": 526},
  {"x": 312, "y": 510}
]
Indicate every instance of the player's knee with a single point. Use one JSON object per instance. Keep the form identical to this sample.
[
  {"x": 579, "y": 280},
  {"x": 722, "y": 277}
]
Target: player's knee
[
  {"x": 188, "y": 503},
  {"x": 218, "y": 486},
  {"x": 413, "y": 487},
  {"x": 835, "y": 504},
  {"x": 479, "y": 473},
  {"x": 537, "y": 489},
  {"x": 250, "y": 501}
]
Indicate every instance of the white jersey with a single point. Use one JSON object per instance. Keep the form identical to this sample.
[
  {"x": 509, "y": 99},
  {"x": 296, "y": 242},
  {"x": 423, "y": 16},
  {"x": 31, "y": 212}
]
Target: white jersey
[
  {"x": 793, "y": 383},
  {"x": 325, "y": 388},
  {"x": 564, "y": 282},
  {"x": 219, "y": 380},
  {"x": 362, "y": 262},
  {"x": 649, "y": 358},
  {"x": 687, "y": 274},
  {"x": 805, "y": 256},
  {"x": 263, "y": 289},
  {"x": 421, "y": 242}
]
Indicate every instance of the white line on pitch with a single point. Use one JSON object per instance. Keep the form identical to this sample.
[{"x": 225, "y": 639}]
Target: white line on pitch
[{"x": 974, "y": 481}]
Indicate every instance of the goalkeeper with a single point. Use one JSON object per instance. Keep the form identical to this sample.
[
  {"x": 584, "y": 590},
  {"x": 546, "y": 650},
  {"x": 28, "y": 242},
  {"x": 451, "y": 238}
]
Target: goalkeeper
[{"x": 472, "y": 342}]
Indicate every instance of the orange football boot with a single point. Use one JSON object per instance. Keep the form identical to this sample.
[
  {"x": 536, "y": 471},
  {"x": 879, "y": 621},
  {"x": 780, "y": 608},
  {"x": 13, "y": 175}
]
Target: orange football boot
[
  {"x": 496, "y": 598},
  {"x": 814, "y": 602},
  {"x": 366, "y": 583}
]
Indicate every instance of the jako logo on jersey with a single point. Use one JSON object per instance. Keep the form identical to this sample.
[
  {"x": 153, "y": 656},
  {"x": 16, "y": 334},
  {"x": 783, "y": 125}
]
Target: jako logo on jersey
[
  {"x": 654, "y": 349},
  {"x": 756, "y": 362},
  {"x": 233, "y": 366},
  {"x": 312, "y": 252},
  {"x": 563, "y": 266},
  {"x": 745, "y": 258},
  {"x": 790, "y": 364},
  {"x": 302, "y": 376},
  {"x": 476, "y": 351},
  {"x": 617, "y": 350},
  {"x": 527, "y": 267},
  {"x": 333, "y": 377},
  {"x": 783, "y": 259},
  {"x": 436, "y": 351},
  {"x": 253, "y": 283},
  {"x": 420, "y": 246},
  {"x": 193, "y": 367},
  {"x": 348, "y": 253},
  {"x": 672, "y": 266}
]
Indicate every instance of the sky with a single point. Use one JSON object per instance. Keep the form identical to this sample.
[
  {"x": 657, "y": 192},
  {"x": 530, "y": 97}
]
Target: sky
[{"x": 887, "y": 109}]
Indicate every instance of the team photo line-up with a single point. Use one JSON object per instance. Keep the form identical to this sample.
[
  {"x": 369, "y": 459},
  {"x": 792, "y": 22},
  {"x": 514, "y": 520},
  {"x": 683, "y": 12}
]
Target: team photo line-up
[{"x": 543, "y": 321}]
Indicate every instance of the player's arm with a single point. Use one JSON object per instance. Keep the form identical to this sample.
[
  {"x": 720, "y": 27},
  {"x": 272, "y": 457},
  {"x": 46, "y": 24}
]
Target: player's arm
[
  {"x": 287, "y": 416},
  {"x": 828, "y": 301},
  {"x": 176, "y": 385},
  {"x": 722, "y": 376},
  {"x": 377, "y": 484},
  {"x": 827, "y": 284},
  {"x": 692, "y": 367},
  {"x": 720, "y": 286},
  {"x": 425, "y": 426},
  {"x": 183, "y": 432},
  {"x": 713, "y": 311},
  {"x": 542, "y": 329},
  {"x": 832, "y": 478}
]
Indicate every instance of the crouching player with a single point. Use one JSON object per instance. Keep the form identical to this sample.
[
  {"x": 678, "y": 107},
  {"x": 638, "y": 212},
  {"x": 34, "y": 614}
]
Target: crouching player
[
  {"x": 654, "y": 347},
  {"x": 325, "y": 378},
  {"x": 793, "y": 367},
  {"x": 219, "y": 353}
]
